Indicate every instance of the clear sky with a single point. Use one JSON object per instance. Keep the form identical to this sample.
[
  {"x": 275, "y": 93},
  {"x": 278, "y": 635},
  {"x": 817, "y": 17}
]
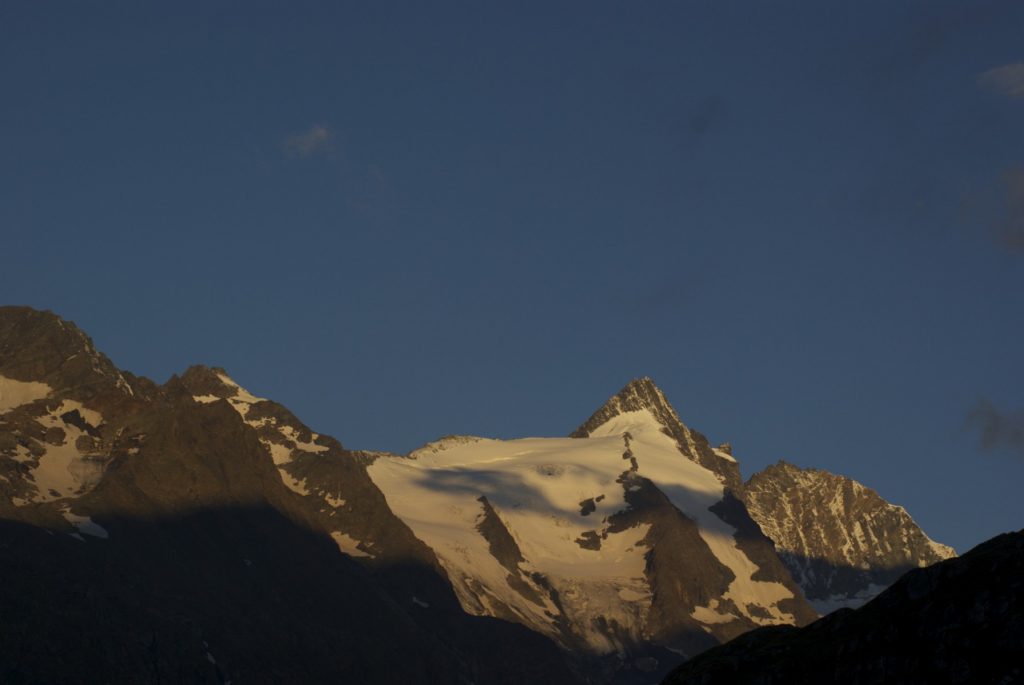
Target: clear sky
[{"x": 804, "y": 220}]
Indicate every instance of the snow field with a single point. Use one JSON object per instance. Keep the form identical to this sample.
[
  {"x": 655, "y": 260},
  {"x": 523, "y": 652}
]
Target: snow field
[{"x": 536, "y": 486}]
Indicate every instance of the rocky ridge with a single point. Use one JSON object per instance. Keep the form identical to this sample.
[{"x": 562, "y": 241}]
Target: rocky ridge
[
  {"x": 150, "y": 536},
  {"x": 841, "y": 541},
  {"x": 631, "y": 545}
]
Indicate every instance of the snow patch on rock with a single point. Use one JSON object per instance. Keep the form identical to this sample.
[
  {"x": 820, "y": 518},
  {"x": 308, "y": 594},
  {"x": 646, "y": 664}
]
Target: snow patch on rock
[
  {"x": 64, "y": 470},
  {"x": 14, "y": 393},
  {"x": 827, "y": 605},
  {"x": 242, "y": 396},
  {"x": 693, "y": 489},
  {"x": 349, "y": 545},
  {"x": 280, "y": 452},
  {"x": 86, "y": 525}
]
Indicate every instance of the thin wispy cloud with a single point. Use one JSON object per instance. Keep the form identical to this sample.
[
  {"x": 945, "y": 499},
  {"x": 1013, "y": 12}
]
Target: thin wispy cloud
[
  {"x": 1006, "y": 80},
  {"x": 997, "y": 430},
  {"x": 315, "y": 139}
]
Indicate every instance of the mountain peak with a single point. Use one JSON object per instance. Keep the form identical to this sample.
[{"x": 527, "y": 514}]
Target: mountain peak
[
  {"x": 857, "y": 544},
  {"x": 41, "y": 346},
  {"x": 643, "y": 395},
  {"x": 637, "y": 395},
  {"x": 206, "y": 380},
  {"x": 22, "y": 327},
  {"x": 642, "y": 387}
]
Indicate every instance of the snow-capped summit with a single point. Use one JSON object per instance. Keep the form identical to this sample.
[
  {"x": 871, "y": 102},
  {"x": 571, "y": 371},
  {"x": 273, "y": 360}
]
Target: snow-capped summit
[
  {"x": 642, "y": 400},
  {"x": 638, "y": 395},
  {"x": 618, "y": 540}
]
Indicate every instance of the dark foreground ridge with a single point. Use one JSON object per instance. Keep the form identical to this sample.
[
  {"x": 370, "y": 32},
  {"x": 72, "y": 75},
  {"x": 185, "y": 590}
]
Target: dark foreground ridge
[
  {"x": 959, "y": 621},
  {"x": 234, "y": 594}
]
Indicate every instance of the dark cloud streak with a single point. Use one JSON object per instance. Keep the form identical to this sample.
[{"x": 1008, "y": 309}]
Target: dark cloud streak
[
  {"x": 928, "y": 34},
  {"x": 1011, "y": 228},
  {"x": 998, "y": 430}
]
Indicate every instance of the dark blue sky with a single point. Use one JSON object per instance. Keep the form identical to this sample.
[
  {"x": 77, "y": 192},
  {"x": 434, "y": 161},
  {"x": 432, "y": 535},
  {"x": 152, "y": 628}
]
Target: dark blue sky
[{"x": 804, "y": 221}]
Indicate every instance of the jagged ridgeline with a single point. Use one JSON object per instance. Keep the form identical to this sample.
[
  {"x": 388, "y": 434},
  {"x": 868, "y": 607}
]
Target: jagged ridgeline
[{"x": 195, "y": 532}]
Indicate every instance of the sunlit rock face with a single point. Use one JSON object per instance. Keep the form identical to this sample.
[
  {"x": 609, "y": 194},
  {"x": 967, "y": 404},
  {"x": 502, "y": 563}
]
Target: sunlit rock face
[
  {"x": 59, "y": 398},
  {"x": 842, "y": 542},
  {"x": 251, "y": 548}
]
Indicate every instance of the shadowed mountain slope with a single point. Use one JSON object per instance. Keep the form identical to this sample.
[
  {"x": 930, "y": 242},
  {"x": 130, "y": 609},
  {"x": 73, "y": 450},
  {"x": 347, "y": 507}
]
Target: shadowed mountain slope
[
  {"x": 151, "y": 537},
  {"x": 958, "y": 621}
]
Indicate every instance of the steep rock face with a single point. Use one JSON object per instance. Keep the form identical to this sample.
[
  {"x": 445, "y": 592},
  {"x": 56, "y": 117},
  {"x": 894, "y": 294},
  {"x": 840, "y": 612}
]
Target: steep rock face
[
  {"x": 40, "y": 347},
  {"x": 193, "y": 532},
  {"x": 616, "y": 542},
  {"x": 329, "y": 480},
  {"x": 958, "y": 621},
  {"x": 841, "y": 541},
  {"x": 61, "y": 406}
]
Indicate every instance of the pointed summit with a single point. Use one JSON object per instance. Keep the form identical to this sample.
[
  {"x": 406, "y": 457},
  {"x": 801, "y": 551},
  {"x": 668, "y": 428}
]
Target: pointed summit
[
  {"x": 642, "y": 395},
  {"x": 637, "y": 395},
  {"x": 39, "y": 346},
  {"x": 211, "y": 381}
]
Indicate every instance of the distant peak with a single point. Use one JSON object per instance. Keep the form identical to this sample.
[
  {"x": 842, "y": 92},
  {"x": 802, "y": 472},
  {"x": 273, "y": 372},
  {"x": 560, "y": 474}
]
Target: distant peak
[
  {"x": 23, "y": 324},
  {"x": 444, "y": 443},
  {"x": 643, "y": 390},
  {"x": 12, "y": 311},
  {"x": 201, "y": 371},
  {"x": 38, "y": 345},
  {"x": 637, "y": 395},
  {"x": 640, "y": 387},
  {"x": 204, "y": 380},
  {"x": 212, "y": 382}
]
